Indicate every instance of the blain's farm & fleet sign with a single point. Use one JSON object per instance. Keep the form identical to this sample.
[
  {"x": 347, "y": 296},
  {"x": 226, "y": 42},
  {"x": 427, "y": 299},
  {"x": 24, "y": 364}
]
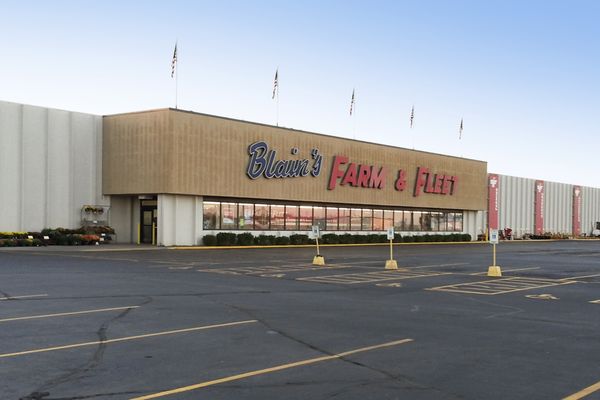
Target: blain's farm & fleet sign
[{"x": 263, "y": 162}]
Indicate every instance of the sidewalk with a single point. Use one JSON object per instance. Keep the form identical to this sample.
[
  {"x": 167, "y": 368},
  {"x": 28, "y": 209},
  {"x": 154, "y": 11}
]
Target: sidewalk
[{"x": 84, "y": 249}]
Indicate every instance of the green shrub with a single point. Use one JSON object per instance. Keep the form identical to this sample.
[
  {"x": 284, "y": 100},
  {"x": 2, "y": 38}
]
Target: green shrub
[
  {"x": 265, "y": 240},
  {"x": 345, "y": 238},
  {"x": 282, "y": 240},
  {"x": 299, "y": 239},
  {"x": 330, "y": 238},
  {"x": 245, "y": 239},
  {"x": 226, "y": 239},
  {"x": 360, "y": 239},
  {"x": 209, "y": 240}
]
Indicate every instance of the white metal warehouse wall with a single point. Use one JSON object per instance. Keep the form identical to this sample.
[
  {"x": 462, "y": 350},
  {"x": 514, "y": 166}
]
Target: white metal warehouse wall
[
  {"x": 558, "y": 207},
  {"x": 51, "y": 166},
  {"x": 516, "y": 206},
  {"x": 515, "y": 203},
  {"x": 590, "y": 208}
]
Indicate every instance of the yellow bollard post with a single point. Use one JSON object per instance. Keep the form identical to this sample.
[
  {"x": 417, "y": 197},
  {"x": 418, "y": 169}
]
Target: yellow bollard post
[
  {"x": 139, "y": 234},
  {"x": 153, "y": 234}
]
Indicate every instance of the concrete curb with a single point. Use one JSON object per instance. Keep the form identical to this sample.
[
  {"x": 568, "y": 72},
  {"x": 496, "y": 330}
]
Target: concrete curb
[{"x": 296, "y": 246}]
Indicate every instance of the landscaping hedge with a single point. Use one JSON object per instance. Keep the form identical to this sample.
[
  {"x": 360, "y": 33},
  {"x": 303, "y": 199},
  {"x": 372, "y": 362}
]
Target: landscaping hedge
[
  {"x": 60, "y": 236},
  {"x": 247, "y": 239}
]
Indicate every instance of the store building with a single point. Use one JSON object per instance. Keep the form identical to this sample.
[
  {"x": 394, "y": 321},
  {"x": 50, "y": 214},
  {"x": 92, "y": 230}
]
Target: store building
[
  {"x": 196, "y": 174},
  {"x": 170, "y": 177}
]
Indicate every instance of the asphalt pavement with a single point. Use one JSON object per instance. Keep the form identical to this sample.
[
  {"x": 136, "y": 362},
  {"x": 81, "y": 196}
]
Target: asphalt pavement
[{"x": 125, "y": 323}]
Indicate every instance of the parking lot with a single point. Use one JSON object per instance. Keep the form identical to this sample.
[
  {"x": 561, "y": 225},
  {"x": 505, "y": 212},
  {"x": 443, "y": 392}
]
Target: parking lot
[{"x": 104, "y": 323}]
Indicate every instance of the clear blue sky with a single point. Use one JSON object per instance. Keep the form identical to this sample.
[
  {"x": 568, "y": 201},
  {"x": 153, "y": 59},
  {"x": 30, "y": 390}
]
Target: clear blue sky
[{"x": 524, "y": 75}]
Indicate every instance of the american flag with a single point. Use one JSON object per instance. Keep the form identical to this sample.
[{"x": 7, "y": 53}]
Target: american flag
[
  {"x": 460, "y": 130},
  {"x": 174, "y": 61},
  {"x": 352, "y": 102},
  {"x": 412, "y": 116},
  {"x": 276, "y": 83}
]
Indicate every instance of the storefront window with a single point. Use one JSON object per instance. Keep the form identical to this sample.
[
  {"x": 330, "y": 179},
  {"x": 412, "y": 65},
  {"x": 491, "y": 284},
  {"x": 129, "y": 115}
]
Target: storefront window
[
  {"x": 355, "y": 220},
  {"x": 398, "y": 220},
  {"x": 344, "y": 219},
  {"x": 458, "y": 222},
  {"x": 377, "y": 220},
  {"x": 277, "y": 217},
  {"x": 291, "y": 218},
  {"x": 428, "y": 223},
  {"x": 228, "y": 215},
  {"x": 443, "y": 222},
  {"x": 249, "y": 216},
  {"x": 319, "y": 217},
  {"x": 367, "y": 220},
  {"x": 306, "y": 218},
  {"x": 417, "y": 221},
  {"x": 246, "y": 216},
  {"x": 388, "y": 219},
  {"x": 261, "y": 217},
  {"x": 332, "y": 219},
  {"x": 450, "y": 222},
  {"x": 211, "y": 215}
]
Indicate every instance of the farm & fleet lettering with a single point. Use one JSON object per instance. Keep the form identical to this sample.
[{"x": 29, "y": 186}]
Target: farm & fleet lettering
[{"x": 344, "y": 173}]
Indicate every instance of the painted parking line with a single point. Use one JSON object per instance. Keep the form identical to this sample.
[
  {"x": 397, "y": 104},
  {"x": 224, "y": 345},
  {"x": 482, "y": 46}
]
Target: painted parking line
[
  {"x": 583, "y": 276},
  {"x": 501, "y": 286},
  {"x": 267, "y": 269},
  {"x": 65, "y": 314},
  {"x": 271, "y": 370},
  {"x": 507, "y": 270},
  {"x": 584, "y": 392},
  {"x": 440, "y": 265},
  {"x": 369, "y": 277},
  {"x": 124, "y": 339},
  {"x": 28, "y": 296}
]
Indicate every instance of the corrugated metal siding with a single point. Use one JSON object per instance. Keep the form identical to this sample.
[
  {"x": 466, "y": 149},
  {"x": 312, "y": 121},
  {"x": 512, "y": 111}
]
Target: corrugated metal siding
[
  {"x": 474, "y": 223},
  {"x": 516, "y": 209},
  {"x": 516, "y": 206},
  {"x": 590, "y": 208},
  {"x": 558, "y": 207},
  {"x": 51, "y": 163}
]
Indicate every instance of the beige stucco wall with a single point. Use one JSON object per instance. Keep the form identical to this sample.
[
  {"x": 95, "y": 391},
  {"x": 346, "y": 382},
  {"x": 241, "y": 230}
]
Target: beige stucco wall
[{"x": 176, "y": 152}]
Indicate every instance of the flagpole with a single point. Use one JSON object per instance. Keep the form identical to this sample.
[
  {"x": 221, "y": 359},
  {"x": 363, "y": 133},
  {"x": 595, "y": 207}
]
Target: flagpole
[
  {"x": 277, "y": 121},
  {"x": 176, "y": 84},
  {"x": 412, "y": 117}
]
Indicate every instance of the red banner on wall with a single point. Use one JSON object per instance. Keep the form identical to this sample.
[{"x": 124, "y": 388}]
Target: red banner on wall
[
  {"x": 576, "y": 210},
  {"x": 539, "y": 208},
  {"x": 493, "y": 184}
]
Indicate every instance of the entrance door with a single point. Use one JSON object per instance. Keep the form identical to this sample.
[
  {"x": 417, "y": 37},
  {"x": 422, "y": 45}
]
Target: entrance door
[{"x": 148, "y": 218}]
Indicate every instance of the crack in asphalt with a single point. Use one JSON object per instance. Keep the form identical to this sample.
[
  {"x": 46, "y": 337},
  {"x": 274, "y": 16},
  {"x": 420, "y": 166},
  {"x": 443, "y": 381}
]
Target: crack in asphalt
[
  {"x": 405, "y": 381},
  {"x": 5, "y": 294},
  {"x": 41, "y": 393},
  {"x": 44, "y": 396}
]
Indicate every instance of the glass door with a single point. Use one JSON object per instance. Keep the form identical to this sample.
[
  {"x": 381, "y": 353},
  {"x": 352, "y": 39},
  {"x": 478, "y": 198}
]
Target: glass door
[{"x": 148, "y": 219}]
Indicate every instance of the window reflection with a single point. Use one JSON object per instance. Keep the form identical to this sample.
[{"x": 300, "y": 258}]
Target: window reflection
[
  {"x": 261, "y": 216},
  {"x": 250, "y": 216}
]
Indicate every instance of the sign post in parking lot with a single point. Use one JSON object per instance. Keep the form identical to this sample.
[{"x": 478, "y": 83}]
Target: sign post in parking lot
[
  {"x": 316, "y": 233},
  {"x": 494, "y": 270},
  {"x": 391, "y": 263}
]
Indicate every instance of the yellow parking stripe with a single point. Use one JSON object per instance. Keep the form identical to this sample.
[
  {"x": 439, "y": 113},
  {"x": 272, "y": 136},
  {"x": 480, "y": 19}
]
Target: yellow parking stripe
[
  {"x": 585, "y": 392},
  {"x": 270, "y": 370},
  {"x": 123, "y": 339},
  {"x": 29, "y": 296},
  {"x": 67, "y": 313}
]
